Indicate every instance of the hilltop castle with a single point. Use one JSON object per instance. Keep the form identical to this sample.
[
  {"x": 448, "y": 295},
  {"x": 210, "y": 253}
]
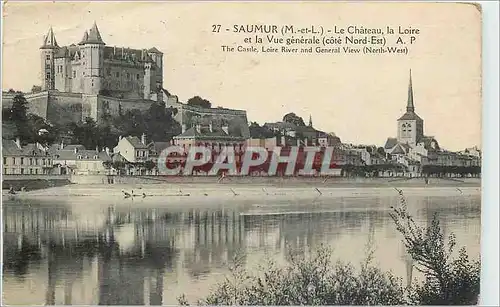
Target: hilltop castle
[
  {"x": 91, "y": 67},
  {"x": 91, "y": 79}
]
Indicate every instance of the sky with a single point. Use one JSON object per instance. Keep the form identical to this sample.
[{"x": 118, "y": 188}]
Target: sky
[{"x": 358, "y": 97}]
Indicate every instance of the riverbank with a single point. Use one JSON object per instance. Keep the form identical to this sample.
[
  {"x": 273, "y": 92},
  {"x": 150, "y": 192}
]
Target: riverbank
[{"x": 186, "y": 192}]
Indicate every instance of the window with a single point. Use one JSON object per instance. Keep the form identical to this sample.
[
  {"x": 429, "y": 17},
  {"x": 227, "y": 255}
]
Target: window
[
  {"x": 31, "y": 161},
  {"x": 95, "y": 157},
  {"x": 31, "y": 171},
  {"x": 5, "y": 171},
  {"x": 47, "y": 66},
  {"x": 36, "y": 170},
  {"x": 4, "y": 160},
  {"x": 128, "y": 75},
  {"x": 43, "y": 161},
  {"x": 48, "y": 75},
  {"x": 22, "y": 161},
  {"x": 74, "y": 73},
  {"x": 108, "y": 71},
  {"x": 117, "y": 74},
  {"x": 138, "y": 76},
  {"x": 22, "y": 171},
  {"x": 47, "y": 57},
  {"x": 79, "y": 157}
]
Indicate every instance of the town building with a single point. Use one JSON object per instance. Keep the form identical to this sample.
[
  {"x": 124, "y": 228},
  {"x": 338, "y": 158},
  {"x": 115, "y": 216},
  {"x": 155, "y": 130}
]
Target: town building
[
  {"x": 213, "y": 137},
  {"x": 132, "y": 148},
  {"x": 75, "y": 159},
  {"x": 31, "y": 159}
]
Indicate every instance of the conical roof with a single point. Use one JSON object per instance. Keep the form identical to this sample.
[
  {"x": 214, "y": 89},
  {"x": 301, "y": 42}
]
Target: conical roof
[
  {"x": 49, "y": 40},
  {"x": 410, "y": 107},
  {"x": 85, "y": 38},
  {"x": 94, "y": 37}
]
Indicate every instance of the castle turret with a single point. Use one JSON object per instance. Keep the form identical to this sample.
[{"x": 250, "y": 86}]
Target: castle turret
[
  {"x": 156, "y": 73},
  {"x": 92, "y": 60},
  {"x": 47, "y": 53}
]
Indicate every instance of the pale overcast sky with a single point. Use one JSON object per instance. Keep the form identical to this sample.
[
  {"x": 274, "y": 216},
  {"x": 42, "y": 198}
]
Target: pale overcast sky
[{"x": 359, "y": 97}]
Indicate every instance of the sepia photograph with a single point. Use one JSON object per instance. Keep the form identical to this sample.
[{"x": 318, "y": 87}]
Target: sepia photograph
[{"x": 241, "y": 153}]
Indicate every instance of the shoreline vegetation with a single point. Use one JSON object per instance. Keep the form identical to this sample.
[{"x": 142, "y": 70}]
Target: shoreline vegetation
[{"x": 316, "y": 280}]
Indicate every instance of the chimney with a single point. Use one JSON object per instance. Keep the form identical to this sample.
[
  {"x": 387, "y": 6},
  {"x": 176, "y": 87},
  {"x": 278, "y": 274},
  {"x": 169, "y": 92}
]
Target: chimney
[
  {"x": 183, "y": 128},
  {"x": 76, "y": 150},
  {"x": 18, "y": 142},
  {"x": 143, "y": 138},
  {"x": 198, "y": 128},
  {"x": 97, "y": 149},
  {"x": 210, "y": 127},
  {"x": 107, "y": 150},
  {"x": 119, "y": 138},
  {"x": 61, "y": 147},
  {"x": 225, "y": 128}
]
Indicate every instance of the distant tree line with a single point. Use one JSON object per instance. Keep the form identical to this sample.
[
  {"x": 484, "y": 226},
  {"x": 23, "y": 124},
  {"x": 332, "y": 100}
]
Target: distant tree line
[{"x": 443, "y": 170}]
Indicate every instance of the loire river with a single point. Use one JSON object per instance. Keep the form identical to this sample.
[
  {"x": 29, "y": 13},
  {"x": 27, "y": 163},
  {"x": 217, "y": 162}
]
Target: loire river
[{"x": 129, "y": 252}]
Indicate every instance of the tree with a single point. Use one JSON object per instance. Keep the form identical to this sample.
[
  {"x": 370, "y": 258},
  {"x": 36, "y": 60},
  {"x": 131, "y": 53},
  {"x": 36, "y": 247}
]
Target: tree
[
  {"x": 292, "y": 118},
  {"x": 86, "y": 134},
  {"x": 19, "y": 109},
  {"x": 446, "y": 280},
  {"x": 36, "y": 89},
  {"x": 197, "y": 101},
  {"x": 260, "y": 132}
]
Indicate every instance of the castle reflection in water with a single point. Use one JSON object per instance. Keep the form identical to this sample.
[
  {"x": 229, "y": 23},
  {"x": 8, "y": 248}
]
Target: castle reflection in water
[{"x": 123, "y": 255}]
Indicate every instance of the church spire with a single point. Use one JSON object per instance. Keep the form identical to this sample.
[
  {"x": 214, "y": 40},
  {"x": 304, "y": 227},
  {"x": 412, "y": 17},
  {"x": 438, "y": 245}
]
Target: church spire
[
  {"x": 49, "y": 40},
  {"x": 410, "y": 107},
  {"x": 310, "y": 121}
]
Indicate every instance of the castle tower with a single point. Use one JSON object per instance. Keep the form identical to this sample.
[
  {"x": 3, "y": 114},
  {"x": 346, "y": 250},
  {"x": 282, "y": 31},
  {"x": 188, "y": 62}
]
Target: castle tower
[
  {"x": 155, "y": 73},
  {"x": 93, "y": 60},
  {"x": 47, "y": 53},
  {"x": 410, "y": 125}
]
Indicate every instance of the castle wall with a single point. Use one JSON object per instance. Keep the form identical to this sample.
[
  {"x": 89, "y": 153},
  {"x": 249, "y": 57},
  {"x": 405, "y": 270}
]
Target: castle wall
[
  {"x": 189, "y": 116},
  {"x": 38, "y": 103},
  {"x": 112, "y": 106},
  {"x": 76, "y": 76},
  {"x": 7, "y": 99},
  {"x": 125, "y": 79},
  {"x": 64, "y": 108},
  {"x": 62, "y": 74}
]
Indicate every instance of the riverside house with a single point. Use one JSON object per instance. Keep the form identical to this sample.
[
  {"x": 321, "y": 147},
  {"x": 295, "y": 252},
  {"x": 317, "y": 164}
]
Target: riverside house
[
  {"x": 31, "y": 159},
  {"x": 75, "y": 159}
]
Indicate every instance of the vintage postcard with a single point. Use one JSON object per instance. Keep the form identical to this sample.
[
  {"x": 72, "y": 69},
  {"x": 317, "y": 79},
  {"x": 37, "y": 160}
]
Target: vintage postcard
[{"x": 241, "y": 153}]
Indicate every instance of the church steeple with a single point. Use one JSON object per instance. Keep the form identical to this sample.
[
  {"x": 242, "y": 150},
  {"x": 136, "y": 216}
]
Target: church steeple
[
  {"x": 410, "y": 107},
  {"x": 49, "y": 40},
  {"x": 310, "y": 121}
]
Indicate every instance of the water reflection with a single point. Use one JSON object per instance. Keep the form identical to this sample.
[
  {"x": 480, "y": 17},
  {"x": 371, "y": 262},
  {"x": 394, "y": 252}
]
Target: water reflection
[{"x": 134, "y": 256}]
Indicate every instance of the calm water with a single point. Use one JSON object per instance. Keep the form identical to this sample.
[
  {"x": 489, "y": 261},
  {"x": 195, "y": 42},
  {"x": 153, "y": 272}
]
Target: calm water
[{"x": 83, "y": 253}]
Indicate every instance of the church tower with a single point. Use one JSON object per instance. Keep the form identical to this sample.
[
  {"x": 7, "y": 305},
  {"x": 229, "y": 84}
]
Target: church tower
[
  {"x": 47, "y": 53},
  {"x": 410, "y": 125},
  {"x": 93, "y": 60}
]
